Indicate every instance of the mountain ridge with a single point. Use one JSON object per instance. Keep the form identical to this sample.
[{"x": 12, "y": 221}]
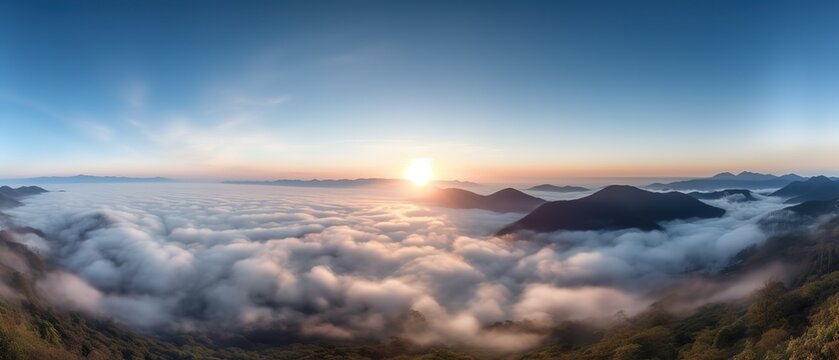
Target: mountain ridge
[
  {"x": 10, "y": 197},
  {"x": 559, "y": 189},
  {"x": 613, "y": 207},
  {"x": 724, "y": 180},
  {"x": 505, "y": 200}
]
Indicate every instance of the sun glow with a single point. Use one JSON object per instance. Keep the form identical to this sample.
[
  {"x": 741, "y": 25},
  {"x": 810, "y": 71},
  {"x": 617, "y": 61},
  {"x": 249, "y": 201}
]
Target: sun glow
[{"x": 419, "y": 172}]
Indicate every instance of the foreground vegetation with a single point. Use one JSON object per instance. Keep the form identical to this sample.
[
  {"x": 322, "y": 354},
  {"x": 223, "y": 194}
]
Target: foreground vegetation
[
  {"x": 778, "y": 323},
  {"x": 33, "y": 331}
]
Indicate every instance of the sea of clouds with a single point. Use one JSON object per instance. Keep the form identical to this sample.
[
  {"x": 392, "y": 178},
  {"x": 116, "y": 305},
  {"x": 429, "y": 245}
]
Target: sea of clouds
[{"x": 347, "y": 263}]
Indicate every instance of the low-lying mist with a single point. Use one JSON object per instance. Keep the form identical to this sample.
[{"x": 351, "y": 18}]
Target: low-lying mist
[{"x": 349, "y": 264}]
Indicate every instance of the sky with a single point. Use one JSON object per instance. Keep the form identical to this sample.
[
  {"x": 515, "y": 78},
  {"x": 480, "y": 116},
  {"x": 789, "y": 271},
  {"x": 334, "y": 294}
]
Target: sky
[{"x": 486, "y": 90}]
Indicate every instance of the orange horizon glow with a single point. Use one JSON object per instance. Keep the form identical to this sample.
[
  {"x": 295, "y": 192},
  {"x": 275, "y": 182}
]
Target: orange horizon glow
[
  {"x": 441, "y": 171},
  {"x": 453, "y": 167}
]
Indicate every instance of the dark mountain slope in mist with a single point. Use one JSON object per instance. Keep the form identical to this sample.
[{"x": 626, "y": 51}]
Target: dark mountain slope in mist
[
  {"x": 614, "y": 207},
  {"x": 9, "y": 196},
  {"x": 743, "y": 180},
  {"x": 559, "y": 189},
  {"x": 800, "y": 217},
  {"x": 792, "y": 320},
  {"x": 815, "y": 188},
  {"x": 7, "y": 202},
  {"x": 733, "y": 194},
  {"x": 506, "y": 200},
  {"x": 812, "y": 247},
  {"x": 816, "y": 208}
]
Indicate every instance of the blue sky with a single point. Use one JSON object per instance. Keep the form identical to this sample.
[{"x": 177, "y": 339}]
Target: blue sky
[{"x": 488, "y": 90}]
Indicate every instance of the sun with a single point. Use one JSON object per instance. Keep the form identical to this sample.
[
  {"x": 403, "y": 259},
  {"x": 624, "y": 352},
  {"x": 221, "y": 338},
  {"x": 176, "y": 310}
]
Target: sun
[{"x": 419, "y": 172}]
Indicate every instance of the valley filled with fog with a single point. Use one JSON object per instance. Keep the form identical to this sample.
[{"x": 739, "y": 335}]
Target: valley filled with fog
[{"x": 362, "y": 264}]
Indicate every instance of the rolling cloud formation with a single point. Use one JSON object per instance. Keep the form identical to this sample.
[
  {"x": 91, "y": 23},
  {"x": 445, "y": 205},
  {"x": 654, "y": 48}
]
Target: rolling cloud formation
[{"x": 348, "y": 264}]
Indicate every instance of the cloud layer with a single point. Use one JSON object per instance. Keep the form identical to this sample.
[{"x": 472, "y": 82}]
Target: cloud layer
[{"x": 349, "y": 263}]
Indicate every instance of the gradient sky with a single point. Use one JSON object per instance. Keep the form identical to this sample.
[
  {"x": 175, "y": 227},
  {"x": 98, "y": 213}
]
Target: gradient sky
[{"x": 488, "y": 90}]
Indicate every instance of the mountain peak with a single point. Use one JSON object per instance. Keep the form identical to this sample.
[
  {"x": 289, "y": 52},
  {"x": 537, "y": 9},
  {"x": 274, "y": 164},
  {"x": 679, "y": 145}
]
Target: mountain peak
[
  {"x": 620, "y": 188},
  {"x": 505, "y": 200},
  {"x": 821, "y": 179},
  {"x": 614, "y": 207},
  {"x": 744, "y": 175},
  {"x": 619, "y": 191},
  {"x": 508, "y": 192},
  {"x": 723, "y": 175}
]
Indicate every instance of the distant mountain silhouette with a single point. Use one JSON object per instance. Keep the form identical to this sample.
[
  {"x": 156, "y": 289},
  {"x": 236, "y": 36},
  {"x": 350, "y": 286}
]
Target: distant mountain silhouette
[
  {"x": 746, "y": 176},
  {"x": 9, "y": 196},
  {"x": 743, "y": 180},
  {"x": 346, "y": 183},
  {"x": 815, "y": 188},
  {"x": 801, "y": 217},
  {"x": 734, "y": 194},
  {"x": 560, "y": 189},
  {"x": 85, "y": 179},
  {"x": 506, "y": 200},
  {"x": 614, "y": 207}
]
